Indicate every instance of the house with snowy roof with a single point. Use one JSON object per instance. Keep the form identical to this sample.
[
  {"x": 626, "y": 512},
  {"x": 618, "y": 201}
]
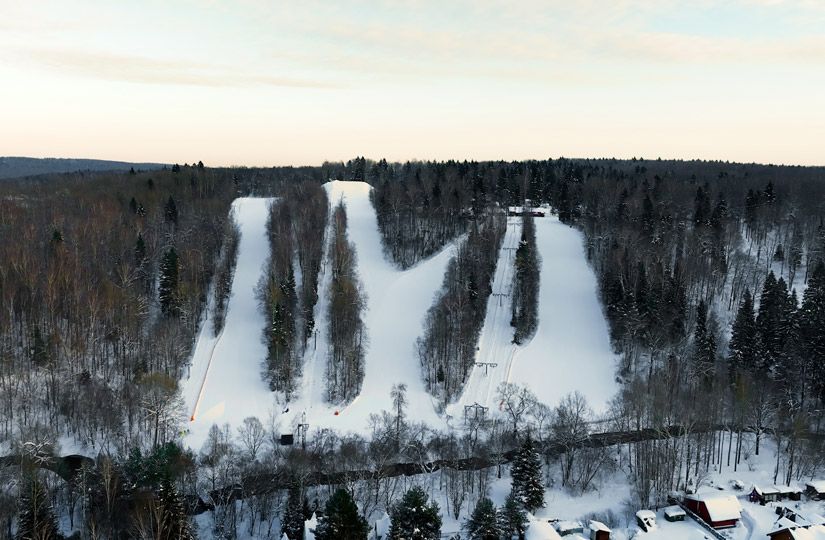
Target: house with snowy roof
[{"x": 718, "y": 511}]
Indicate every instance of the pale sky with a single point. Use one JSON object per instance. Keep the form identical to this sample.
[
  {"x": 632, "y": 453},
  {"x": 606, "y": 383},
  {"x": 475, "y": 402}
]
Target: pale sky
[{"x": 255, "y": 82}]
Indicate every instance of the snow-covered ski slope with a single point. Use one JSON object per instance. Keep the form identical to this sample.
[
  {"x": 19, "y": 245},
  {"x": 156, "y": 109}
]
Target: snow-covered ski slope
[
  {"x": 397, "y": 302},
  {"x": 225, "y": 383},
  {"x": 495, "y": 345},
  {"x": 571, "y": 349}
]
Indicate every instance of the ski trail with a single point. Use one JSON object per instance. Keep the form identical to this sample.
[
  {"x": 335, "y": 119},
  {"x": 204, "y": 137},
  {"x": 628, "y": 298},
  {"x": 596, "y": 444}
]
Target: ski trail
[
  {"x": 495, "y": 344},
  {"x": 571, "y": 349},
  {"x": 397, "y": 302},
  {"x": 225, "y": 385}
]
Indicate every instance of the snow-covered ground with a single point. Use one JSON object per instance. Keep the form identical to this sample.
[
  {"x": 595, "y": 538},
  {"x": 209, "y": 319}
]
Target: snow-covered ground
[
  {"x": 571, "y": 349},
  {"x": 225, "y": 383},
  {"x": 397, "y": 302}
]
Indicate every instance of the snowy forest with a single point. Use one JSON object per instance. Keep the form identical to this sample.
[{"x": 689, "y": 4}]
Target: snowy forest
[{"x": 710, "y": 275}]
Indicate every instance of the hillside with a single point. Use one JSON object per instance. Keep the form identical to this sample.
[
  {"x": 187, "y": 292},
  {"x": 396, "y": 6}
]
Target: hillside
[{"x": 17, "y": 167}]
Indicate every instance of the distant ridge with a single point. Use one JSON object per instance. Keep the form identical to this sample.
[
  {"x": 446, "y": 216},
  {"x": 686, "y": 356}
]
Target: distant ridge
[{"x": 16, "y": 167}]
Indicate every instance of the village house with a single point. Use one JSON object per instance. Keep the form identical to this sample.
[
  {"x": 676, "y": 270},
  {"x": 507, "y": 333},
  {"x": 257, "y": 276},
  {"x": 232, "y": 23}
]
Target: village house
[{"x": 718, "y": 511}]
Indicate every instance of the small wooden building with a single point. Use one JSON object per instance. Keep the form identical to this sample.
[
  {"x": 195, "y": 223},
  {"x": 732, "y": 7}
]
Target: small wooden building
[
  {"x": 717, "y": 510},
  {"x": 815, "y": 490},
  {"x": 785, "y": 529},
  {"x": 598, "y": 530},
  {"x": 674, "y": 513},
  {"x": 764, "y": 495}
]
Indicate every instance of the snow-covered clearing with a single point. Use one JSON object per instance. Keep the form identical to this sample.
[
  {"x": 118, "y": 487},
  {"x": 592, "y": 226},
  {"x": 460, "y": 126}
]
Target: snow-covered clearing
[
  {"x": 225, "y": 383},
  {"x": 571, "y": 349},
  {"x": 397, "y": 302}
]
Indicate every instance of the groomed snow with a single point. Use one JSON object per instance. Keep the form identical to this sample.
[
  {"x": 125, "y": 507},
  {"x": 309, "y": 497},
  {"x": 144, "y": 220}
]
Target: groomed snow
[
  {"x": 571, "y": 349},
  {"x": 225, "y": 383},
  {"x": 397, "y": 302}
]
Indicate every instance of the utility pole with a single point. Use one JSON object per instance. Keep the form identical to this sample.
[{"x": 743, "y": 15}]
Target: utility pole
[{"x": 303, "y": 427}]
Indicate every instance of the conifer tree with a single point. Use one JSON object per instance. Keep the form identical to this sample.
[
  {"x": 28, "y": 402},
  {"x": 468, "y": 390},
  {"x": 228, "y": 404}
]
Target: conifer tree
[
  {"x": 292, "y": 522},
  {"x": 483, "y": 524},
  {"x": 812, "y": 327},
  {"x": 170, "y": 211},
  {"x": 512, "y": 518},
  {"x": 704, "y": 344},
  {"x": 526, "y": 474},
  {"x": 168, "y": 286},
  {"x": 36, "y": 520},
  {"x": 174, "y": 523},
  {"x": 742, "y": 349},
  {"x": 341, "y": 520},
  {"x": 413, "y": 518}
]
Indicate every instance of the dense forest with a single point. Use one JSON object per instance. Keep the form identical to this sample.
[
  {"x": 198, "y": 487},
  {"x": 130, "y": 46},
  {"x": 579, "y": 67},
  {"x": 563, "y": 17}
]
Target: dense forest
[{"x": 711, "y": 275}]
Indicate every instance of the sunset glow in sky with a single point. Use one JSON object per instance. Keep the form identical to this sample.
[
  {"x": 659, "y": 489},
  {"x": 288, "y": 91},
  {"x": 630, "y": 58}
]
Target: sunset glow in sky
[{"x": 256, "y": 82}]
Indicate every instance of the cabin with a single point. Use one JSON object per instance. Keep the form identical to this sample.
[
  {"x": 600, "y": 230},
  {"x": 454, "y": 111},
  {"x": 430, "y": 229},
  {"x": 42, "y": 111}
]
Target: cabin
[
  {"x": 790, "y": 493},
  {"x": 718, "y": 511},
  {"x": 646, "y": 520},
  {"x": 815, "y": 490},
  {"x": 674, "y": 513},
  {"x": 598, "y": 530},
  {"x": 764, "y": 495}
]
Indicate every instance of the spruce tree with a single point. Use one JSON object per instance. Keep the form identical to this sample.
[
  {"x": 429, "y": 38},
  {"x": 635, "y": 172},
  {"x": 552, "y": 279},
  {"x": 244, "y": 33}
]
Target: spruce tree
[
  {"x": 742, "y": 349},
  {"x": 170, "y": 211},
  {"x": 812, "y": 327},
  {"x": 704, "y": 345},
  {"x": 174, "y": 523},
  {"x": 526, "y": 474},
  {"x": 512, "y": 518},
  {"x": 168, "y": 286},
  {"x": 413, "y": 518},
  {"x": 483, "y": 524},
  {"x": 292, "y": 522},
  {"x": 341, "y": 520},
  {"x": 36, "y": 520}
]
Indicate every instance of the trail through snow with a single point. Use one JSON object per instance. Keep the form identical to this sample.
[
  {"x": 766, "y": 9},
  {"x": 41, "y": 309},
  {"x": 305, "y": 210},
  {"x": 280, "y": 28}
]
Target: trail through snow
[{"x": 225, "y": 383}]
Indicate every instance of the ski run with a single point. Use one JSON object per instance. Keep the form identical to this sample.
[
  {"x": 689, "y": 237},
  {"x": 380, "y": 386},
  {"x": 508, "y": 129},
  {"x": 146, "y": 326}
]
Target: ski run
[{"x": 569, "y": 352}]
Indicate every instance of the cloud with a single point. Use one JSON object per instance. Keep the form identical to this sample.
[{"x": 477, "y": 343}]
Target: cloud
[{"x": 137, "y": 69}]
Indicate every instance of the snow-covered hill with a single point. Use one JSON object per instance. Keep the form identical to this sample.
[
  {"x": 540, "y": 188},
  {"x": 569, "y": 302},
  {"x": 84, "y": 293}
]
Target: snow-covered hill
[{"x": 570, "y": 350}]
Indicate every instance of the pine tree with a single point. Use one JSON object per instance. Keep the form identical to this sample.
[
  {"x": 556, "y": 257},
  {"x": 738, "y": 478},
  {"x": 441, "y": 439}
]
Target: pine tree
[
  {"x": 413, "y": 518},
  {"x": 512, "y": 518},
  {"x": 526, "y": 474},
  {"x": 36, "y": 520},
  {"x": 341, "y": 520},
  {"x": 742, "y": 348},
  {"x": 168, "y": 286},
  {"x": 292, "y": 522},
  {"x": 483, "y": 524}
]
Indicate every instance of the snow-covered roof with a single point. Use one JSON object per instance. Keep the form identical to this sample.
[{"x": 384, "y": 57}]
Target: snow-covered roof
[
  {"x": 541, "y": 530},
  {"x": 674, "y": 511},
  {"x": 720, "y": 507},
  {"x": 767, "y": 490},
  {"x": 645, "y": 514},
  {"x": 569, "y": 526},
  {"x": 598, "y": 526},
  {"x": 817, "y": 485},
  {"x": 813, "y": 532}
]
